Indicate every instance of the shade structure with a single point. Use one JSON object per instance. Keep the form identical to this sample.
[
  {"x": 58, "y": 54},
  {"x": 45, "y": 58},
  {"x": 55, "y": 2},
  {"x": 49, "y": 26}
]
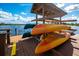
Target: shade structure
[
  {"x": 47, "y": 20},
  {"x": 29, "y": 26},
  {"x": 50, "y": 10},
  {"x": 55, "y": 20}
]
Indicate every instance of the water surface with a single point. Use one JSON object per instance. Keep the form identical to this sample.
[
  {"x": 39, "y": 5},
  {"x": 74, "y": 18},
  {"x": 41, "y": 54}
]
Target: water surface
[{"x": 21, "y": 29}]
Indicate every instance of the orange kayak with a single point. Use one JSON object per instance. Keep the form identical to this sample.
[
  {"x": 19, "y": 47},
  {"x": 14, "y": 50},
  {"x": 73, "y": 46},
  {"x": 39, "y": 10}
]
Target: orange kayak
[
  {"x": 46, "y": 28},
  {"x": 49, "y": 42}
]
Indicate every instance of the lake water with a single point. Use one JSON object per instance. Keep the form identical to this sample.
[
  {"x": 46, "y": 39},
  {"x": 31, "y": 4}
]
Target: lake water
[
  {"x": 21, "y": 29},
  {"x": 77, "y": 28}
]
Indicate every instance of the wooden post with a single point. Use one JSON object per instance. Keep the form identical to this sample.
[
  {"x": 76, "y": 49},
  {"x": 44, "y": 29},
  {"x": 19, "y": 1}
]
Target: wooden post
[
  {"x": 36, "y": 18},
  {"x": 43, "y": 14},
  {"x": 60, "y": 21},
  {"x": 8, "y": 36},
  {"x": 2, "y": 44}
]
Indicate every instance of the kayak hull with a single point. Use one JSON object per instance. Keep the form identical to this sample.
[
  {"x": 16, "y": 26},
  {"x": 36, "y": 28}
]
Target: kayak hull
[
  {"x": 49, "y": 42},
  {"x": 46, "y": 28}
]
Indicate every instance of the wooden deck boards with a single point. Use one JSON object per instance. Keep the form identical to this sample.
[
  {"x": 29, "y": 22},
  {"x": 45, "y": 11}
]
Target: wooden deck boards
[
  {"x": 15, "y": 38},
  {"x": 69, "y": 48},
  {"x": 26, "y": 47}
]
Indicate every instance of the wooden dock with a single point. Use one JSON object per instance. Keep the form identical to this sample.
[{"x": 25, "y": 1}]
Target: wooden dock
[{"x": 26, "y": 47}]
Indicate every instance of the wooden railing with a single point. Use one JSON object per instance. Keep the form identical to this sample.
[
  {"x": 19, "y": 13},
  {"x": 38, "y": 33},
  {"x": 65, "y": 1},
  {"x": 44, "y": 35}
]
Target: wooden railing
[
  {"x": 7, "y": 34},
  {"x": 2, "y": 44},
  {"x": 4, "y": 41}
]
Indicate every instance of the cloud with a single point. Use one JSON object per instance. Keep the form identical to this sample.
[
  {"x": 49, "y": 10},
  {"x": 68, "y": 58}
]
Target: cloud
[
  {"x": 73, "y": 17},
  {"x": 4, "y": 14},
  {"x": 39, "y": 16},
  {"x": 19, "y": 17},
  {"x": 29, "y": 18},
  {"x": 71, "y": 8},
  {"x": 23, "y": 13},
  {"x": 60, "y": 5},
  {"x": 14, "y": 18}
]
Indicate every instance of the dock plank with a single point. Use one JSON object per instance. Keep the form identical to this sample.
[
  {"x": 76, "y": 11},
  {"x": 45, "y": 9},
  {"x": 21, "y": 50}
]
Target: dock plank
[
  {"x": 26, "y": 47},
  {"x": 75, "y": 36}
]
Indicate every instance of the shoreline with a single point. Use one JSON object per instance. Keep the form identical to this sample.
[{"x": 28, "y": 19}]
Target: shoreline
[
  {"x": 10, "y": 24},
  {"x": 25, "y": 24}
]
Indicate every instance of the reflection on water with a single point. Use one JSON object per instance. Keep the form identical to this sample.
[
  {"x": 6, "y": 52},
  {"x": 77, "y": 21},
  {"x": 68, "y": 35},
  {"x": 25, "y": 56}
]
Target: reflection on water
[
  {"x": 21, "y": 29},
  {"x": 77, "y": 28}
]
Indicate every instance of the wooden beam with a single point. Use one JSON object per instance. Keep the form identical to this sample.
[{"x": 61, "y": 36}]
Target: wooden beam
[
  {"x": 69, "y": 20},
  {"x": 43, "y": 14}
]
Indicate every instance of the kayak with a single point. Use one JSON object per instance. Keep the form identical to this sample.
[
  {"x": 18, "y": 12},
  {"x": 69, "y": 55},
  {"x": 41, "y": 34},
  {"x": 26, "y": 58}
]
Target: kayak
[
  {"x": 46, "y": 28},
  {"x": 50, "y": 41},
  {"x": 27, "y": 26}
]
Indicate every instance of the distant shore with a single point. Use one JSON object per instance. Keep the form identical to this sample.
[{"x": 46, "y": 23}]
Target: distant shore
[
  {"x": 12, "y": 24},
  {"x": 73, "y": 24},
  {"x": 24, "y": 24}
]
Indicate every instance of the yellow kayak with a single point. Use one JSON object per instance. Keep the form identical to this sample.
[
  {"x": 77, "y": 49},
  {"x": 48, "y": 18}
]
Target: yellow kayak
[
  {"x": 46, "y": 28},
  {"x": 50, "y": 41}
]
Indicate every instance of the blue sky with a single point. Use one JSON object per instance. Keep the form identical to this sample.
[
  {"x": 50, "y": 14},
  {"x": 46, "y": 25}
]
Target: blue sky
[{"x": 21, "y": 12}]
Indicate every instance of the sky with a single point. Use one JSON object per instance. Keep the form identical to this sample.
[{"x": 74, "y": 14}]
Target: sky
[{"x": 20, "y": 13}]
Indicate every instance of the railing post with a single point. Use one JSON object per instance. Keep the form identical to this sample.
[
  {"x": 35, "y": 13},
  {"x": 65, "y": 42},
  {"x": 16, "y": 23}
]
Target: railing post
[
  {"x": 2, "y": 44},
  {"x": 16, "y": 31},
  {"x": 8, "y": 36}
]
